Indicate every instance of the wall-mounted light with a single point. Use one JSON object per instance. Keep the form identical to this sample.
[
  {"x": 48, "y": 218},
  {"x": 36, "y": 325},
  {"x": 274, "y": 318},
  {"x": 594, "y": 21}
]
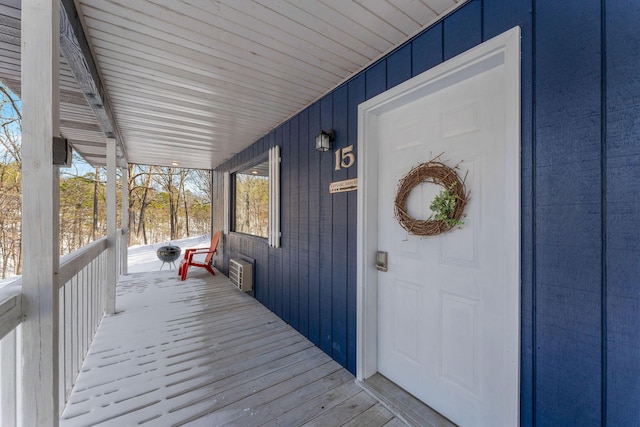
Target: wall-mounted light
[{"x": 324, "y": 139}]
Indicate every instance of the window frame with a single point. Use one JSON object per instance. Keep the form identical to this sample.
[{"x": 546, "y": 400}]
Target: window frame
[
  {"x": 274, "y": 160},
  {"x": 264, "y": 157}
]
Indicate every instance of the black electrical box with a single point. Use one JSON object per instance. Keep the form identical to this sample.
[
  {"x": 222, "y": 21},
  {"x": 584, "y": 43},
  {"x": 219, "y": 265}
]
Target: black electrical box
[{"x": 62, "y": 152}]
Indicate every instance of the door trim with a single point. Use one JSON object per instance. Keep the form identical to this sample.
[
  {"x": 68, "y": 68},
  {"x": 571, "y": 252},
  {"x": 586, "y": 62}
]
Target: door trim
[{"x": 502, "y": 50}]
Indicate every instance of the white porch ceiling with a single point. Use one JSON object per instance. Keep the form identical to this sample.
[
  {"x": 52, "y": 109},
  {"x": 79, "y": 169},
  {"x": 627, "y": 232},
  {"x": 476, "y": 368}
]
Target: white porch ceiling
[
  {"x": 196, "y": 81},
  {"x": 193, "y": 82},
  {"x": 77, "y": 121}
]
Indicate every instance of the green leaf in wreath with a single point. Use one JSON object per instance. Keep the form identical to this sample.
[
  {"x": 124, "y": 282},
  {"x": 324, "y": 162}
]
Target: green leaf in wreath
[{"x": 443, "y": 207}]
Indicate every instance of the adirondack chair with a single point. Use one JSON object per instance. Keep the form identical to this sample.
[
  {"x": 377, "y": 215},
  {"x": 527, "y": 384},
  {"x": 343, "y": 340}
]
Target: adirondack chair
[{"x": 189, "y": 254}]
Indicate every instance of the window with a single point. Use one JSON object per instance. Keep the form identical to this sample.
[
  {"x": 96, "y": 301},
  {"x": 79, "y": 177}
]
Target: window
[
  {"x": 255, "y": 199},
  {"x": 251, "y": 200}
]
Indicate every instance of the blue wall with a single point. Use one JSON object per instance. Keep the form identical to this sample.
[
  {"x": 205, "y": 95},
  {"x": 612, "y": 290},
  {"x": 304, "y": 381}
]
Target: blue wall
[{"x": 580, "y": 358}]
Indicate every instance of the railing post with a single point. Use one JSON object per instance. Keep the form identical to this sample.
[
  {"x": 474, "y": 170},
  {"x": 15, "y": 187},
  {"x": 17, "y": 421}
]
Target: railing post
[
  {"x": 8, "y": 379},
  {"x": 112, "y": 264},
  {"x": 125, "y": 222},
  {"x": 40, "y": 200}
]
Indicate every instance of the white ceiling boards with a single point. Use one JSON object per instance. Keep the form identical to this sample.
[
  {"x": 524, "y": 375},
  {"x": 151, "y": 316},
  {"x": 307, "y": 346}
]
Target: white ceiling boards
[{"x": 196, "y": 81}]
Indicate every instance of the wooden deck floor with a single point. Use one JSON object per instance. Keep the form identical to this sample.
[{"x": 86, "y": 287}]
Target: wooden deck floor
[{"x": 201, "y": 352}]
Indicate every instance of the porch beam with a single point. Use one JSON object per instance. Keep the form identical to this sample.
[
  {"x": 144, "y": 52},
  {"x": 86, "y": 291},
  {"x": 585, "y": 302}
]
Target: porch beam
[
  {"x": 112, "y": 238},
  {"x": 40, "y": 203},
  {"x": 75, "y": 47}
]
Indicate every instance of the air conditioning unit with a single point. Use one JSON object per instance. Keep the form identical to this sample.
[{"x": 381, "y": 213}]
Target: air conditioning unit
[{"x": 241, "y": 274}]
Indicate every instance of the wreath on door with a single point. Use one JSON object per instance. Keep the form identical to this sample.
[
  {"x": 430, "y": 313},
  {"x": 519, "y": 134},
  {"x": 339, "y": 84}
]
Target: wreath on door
[{"x": 447, "y": 207}]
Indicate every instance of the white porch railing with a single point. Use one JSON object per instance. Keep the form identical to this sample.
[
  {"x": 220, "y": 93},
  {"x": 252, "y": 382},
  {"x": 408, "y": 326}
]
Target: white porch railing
[
  {"x": 10, "y": 319},
  {"x": 81, "y": 306},
  {"x": 83, "y": 276}
]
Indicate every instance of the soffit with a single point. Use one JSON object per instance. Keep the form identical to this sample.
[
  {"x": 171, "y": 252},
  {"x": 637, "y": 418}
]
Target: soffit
[{"x": 77, "y": 121}]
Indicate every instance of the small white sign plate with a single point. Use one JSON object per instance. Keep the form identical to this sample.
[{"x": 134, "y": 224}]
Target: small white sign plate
[{"x": 342, "y": 186}]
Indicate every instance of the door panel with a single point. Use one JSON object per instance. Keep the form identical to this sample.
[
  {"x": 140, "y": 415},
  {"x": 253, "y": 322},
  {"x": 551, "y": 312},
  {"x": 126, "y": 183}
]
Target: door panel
[
  {"x": 442, "y": 302},
  {"x": 459, "y": 343}
]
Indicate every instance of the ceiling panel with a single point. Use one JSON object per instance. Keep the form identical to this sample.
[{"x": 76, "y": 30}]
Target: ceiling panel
[
  {"x": 77, "y": 121},
  {"x": 194, "y": 82}
]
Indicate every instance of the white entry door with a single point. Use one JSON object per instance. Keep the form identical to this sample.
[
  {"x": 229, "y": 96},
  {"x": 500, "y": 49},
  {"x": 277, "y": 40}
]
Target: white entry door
[{"x": 448, "y": 305}]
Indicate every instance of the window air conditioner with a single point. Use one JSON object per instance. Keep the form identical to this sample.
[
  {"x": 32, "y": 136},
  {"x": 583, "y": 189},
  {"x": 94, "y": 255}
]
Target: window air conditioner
[{"x": 241, "y": 274}]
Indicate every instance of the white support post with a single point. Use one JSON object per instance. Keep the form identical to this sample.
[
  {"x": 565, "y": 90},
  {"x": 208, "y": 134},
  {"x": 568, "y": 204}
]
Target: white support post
[
  {"x": 125, "y": 221},
  {"x": 112, "y": 264},
  {"x": 40, "y": 202}
]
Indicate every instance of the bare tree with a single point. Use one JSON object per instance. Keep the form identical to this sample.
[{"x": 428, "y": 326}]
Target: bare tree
[
  {"x": 94, "y": 223},
  {"x": 140, "y": 185},
  {"x": 184, "y": 194},
  {"x": 172, "y": 181},
  {"x": 11, "y": 125},
  {"x": 10, "y": 184},
  {"x": 202, "y": 183}
]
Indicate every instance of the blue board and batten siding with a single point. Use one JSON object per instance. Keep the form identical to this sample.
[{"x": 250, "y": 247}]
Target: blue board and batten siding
[{"x": 580, "y": 326}]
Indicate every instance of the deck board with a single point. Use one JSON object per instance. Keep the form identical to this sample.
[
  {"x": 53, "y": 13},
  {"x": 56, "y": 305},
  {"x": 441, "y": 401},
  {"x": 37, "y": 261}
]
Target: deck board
[
  {"x": 200, "y": 352},
  {"x": 343, "y": 412},
  {"x": 375, "y": 416}
]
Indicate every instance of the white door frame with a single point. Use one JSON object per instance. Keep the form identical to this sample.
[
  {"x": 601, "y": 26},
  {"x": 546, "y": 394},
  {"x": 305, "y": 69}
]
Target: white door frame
[{"x": 503, "y": 50}]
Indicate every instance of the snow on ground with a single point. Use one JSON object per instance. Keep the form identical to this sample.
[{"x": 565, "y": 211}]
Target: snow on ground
[
  {"x": 138, "y": 354},
  {"x": 143, "y": 257},
  {"x": 8, "y": 280},
  {"x": 200, "y": 352}
]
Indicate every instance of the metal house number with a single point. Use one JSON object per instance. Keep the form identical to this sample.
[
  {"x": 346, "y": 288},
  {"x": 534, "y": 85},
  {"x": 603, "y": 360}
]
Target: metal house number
[{"x": 345, "y": 157}]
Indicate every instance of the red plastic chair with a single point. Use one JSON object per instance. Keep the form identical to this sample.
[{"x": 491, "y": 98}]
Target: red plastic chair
[{"x": 189, "y": 253}]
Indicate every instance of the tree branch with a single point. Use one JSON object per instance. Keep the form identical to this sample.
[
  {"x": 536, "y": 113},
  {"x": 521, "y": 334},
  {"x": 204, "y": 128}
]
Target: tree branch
[{"x": 4, "y": 90}]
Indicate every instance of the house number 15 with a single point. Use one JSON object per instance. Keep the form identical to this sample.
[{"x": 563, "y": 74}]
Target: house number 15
[{"x": 345, "y": 157}]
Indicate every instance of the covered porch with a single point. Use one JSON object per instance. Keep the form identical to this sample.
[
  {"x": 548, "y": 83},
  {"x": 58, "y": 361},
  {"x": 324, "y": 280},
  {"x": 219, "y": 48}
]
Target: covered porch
[
  {"x": 202, "y": 352},
  {"x": 220, "y": 85},
  {"x": 196, "y": 88},
  {"x": 193, "y": 352}
]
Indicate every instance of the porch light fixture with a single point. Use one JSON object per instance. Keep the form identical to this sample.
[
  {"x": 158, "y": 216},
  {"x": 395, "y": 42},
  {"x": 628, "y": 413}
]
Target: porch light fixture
[{"x": 324, "y": 139}]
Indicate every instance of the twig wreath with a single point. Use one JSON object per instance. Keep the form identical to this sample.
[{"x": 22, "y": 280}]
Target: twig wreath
[{"x": 448, "y": 206}]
